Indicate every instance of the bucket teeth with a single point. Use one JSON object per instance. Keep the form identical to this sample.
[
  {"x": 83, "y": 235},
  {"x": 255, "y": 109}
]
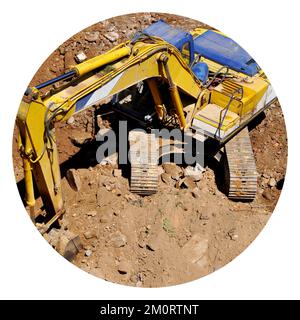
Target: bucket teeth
[
  {"x": 240, "y": 168},
  {"x": 143, "y": 157}
]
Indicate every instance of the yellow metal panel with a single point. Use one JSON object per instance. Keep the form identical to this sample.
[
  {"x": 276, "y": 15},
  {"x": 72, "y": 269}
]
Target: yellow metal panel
[
  {"x": 137, "y": 72},
  {"x": 183, "y": 78},
  {"x": 222, "y": 100},
  {"x": 198, "y": 31},
  {"x": 159, "y": 105},
  {"x": 253, "y": 92},
  {"x": 211, "y": 114},
  {"x": 101, "y": 60},
  {"x": 46, "y": 171}
]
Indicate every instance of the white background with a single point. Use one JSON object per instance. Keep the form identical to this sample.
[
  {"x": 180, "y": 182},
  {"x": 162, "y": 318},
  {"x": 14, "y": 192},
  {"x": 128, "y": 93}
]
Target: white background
[{"x": 30, "y": 31}]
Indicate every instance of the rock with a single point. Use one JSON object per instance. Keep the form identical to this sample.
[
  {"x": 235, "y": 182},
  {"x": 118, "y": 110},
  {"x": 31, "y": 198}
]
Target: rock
[
  {"x": 117, "y": 192},
  {"x": 147, "y": 19},
  {"x": 52, "y": 236},
  {"x": 264, "y": 181},
  {"x": 232, "y": 235},
  {"x": 91, "y": 213},
  {"x": 64, "y": 223},
  {"x": 267, "y": 194},
  {"x": 266, "y": 175},
  {"x": 89, "y": 235},
  {"x": 111, "y": 159},
  {"x": 176, "y": 177},
  {"x": 73, "y": 179},
  {"x": 62, "y": 50},
  {"x": 116, "y": 212},
  {"x": 88, "y": 253},
  {"x": 172, "y": 169},
  {"x": 54, "y": 68},
  {"x": 111, "y": 28},
  {"x": 235, "y": 237},
  {"x": 70, "y": 120},
  {"x": 192, "y": 172},
  {"x": 106, "y": 217},
  {"x": 131, "y": 197},
  {"x": 80, "y": 57},
  {"x": 109, "y": 185},
  {"x": 204, "y": 216},
  {"x": 178, "y": 183},
  {"x": 100, "y": 122},
  {"x": 117, "y": 240},
  {"x": 160, "y": 170},
  {"x": 189, "y": 183},
  {"x": 124, "y": 267},
  {"x": 198, "y": 167},
  {"x": 195, "y": 249},
  {"x": 80, "y": 140},
  {"x": 125, "y": 100},
  {"x": 196, "y": 193},
  {"x": 112, "y": 36},
  {"x": 272, "y": 182},
  {"x": 68, "y": 244},
  {"x": 166, "y": 178},
  {"x": 202, "y": 263},
  {"x": 135, "y": 278},
  {"x": 153, "y": 243},
  {"x": 92, "y": 36},
  {"x": 142, "y": 244},
  {"x": 117, "y": 173},
  {"x": 69, "y": 60}
]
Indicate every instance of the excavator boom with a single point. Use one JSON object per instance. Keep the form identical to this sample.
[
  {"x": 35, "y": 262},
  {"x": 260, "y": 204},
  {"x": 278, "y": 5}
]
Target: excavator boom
[{"x": 94, "y": 80}]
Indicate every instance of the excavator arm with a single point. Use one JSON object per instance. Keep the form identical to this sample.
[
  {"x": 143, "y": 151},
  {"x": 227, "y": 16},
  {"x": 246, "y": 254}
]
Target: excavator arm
[{"x": 145, "y": 59}]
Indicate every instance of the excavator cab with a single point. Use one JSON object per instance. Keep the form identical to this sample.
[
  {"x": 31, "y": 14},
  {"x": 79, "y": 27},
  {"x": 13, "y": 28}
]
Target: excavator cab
[
  {"x": 238, "y": 91},
  {"x": 206, "y": 46},
  {"x": 224, "y": 51},
  {"x": 184, "y": 42},
  {"x": 180, "y": 39}
]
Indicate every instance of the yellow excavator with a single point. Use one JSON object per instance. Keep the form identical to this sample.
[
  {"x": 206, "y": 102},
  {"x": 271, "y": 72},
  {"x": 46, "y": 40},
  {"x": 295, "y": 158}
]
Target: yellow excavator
[{"x": 203, "y": 80}]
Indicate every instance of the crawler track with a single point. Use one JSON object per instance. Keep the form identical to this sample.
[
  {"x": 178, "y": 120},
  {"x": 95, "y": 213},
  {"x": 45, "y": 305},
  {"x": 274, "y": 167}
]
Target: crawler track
[
  {"x": 143, "y": 157},
  {"x": 240, "y": 168}
]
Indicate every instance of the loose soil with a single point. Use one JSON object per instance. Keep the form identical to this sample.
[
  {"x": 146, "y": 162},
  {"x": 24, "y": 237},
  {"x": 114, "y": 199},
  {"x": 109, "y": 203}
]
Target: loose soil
[{"x": 175, "y": 235}]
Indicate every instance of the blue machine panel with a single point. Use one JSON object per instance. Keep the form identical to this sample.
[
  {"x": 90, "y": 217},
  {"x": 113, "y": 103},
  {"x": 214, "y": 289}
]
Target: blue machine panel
[
  {"x": 225, "y": 51},
  {"x": 200, "y": 70},
  {"x": 175, "y": 36}
]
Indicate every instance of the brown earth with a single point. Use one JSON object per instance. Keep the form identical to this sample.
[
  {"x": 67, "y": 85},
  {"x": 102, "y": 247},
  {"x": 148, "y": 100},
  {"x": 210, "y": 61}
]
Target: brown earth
[{"x": 176, "y": 235}]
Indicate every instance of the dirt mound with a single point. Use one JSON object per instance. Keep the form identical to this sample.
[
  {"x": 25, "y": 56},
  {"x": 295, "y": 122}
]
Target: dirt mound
[{"x": 187, "y": 229}]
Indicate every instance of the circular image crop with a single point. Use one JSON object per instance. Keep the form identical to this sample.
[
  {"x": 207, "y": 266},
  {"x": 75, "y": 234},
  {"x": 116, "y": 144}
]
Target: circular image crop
[{"x": 150, "y": 149}]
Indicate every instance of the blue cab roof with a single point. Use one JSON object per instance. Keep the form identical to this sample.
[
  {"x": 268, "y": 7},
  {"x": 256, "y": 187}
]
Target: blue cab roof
[
  {"x": 223, "y": 50},
  {"x": 210, "y": 45},
  {"x": 174, "y": 36}
]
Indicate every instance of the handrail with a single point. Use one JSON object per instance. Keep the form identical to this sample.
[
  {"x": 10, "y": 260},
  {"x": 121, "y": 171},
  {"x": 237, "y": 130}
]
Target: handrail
[{"x": 225, "y": 110}]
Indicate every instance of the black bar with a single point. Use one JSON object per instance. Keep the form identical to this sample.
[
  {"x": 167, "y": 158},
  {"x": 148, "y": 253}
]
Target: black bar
[{"x": 54, "y": 80}]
